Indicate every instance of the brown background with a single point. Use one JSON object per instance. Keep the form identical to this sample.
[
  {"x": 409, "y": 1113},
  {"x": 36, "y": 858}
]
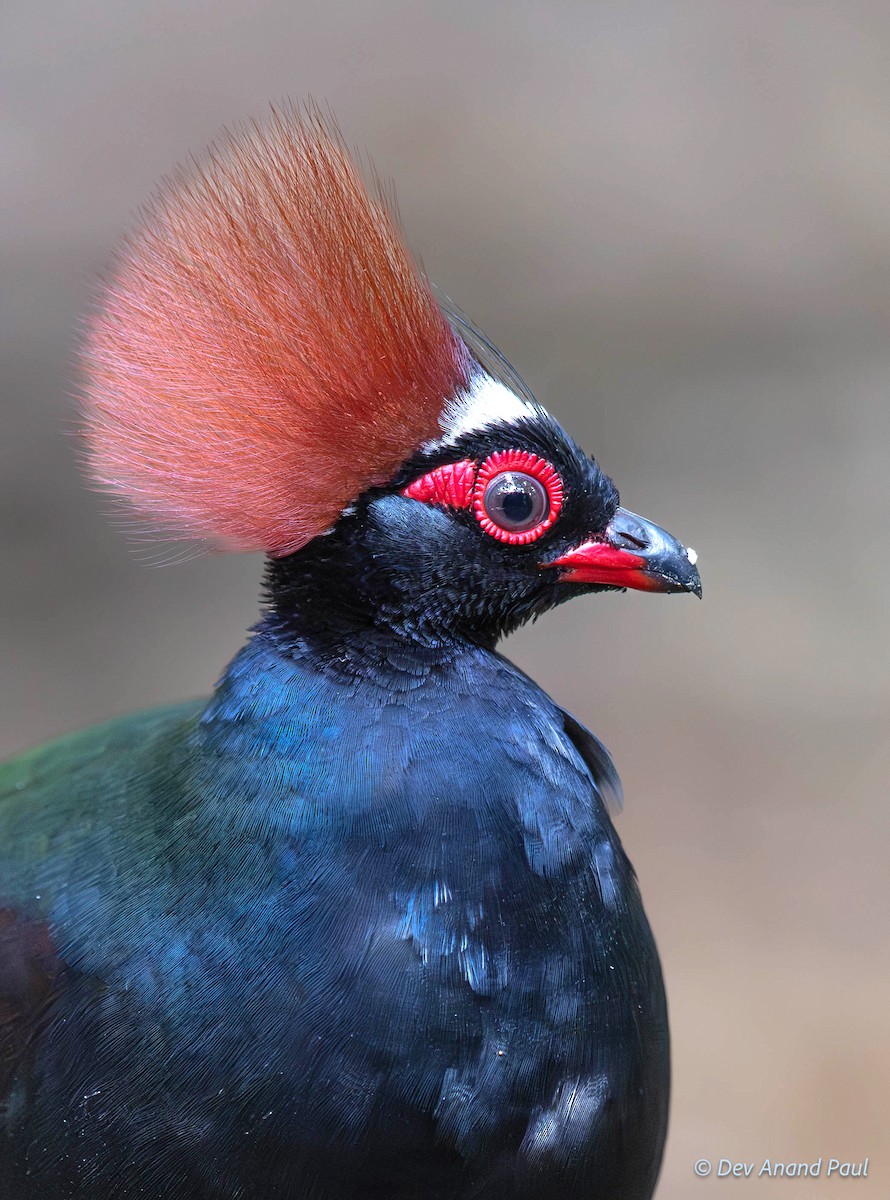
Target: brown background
[{"x": 674, "y": 216}]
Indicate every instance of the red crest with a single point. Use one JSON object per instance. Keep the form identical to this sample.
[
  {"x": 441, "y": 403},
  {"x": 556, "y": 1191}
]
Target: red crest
[{"x": 266, "y": 349}]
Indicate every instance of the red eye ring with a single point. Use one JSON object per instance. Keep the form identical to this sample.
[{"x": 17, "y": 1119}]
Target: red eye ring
[{"x": 528, "y": 464}]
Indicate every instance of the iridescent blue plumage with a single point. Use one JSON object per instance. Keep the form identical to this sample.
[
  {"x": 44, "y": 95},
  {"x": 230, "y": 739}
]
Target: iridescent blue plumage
[{"x": 379, "y": 935}]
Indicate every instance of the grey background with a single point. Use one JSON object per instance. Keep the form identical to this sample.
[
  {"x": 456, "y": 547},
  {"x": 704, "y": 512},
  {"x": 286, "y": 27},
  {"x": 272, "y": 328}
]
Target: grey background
[{"x": 674, "y": 217}]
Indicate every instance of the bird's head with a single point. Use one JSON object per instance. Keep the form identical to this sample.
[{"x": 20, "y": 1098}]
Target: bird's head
[
  {"x": 269, "y": 370},
  {"x": 501, "y": 518}
]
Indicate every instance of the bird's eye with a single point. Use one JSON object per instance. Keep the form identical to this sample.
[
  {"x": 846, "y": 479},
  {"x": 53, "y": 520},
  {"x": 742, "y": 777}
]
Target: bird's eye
[
  {"x": 517, "y": 496},
  {"x": 516, "y": 502}
]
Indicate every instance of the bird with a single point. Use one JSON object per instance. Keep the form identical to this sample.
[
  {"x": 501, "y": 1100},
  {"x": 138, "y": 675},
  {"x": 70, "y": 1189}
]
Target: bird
[{"x": 358, "y": 924}]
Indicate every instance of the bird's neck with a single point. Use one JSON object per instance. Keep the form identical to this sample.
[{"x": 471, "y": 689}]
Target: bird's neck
[{"x": 327, "y": 609}]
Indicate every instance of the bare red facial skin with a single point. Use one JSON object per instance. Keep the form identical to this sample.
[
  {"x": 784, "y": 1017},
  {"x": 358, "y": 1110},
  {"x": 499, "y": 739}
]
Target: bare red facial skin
[
  {"x": 451, "y": 485},
  {"x": 528, "y": 464},
  {"x": 463, "y": 485}
]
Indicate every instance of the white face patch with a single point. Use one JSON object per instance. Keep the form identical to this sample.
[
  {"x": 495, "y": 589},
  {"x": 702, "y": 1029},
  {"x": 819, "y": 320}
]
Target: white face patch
[
  {"x": 486, "y": 402},
  {"x": 691, "y": 555}
]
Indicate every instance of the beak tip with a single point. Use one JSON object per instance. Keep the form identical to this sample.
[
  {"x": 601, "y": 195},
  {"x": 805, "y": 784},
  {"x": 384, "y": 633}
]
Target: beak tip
[{"x": 693, "y": 584}]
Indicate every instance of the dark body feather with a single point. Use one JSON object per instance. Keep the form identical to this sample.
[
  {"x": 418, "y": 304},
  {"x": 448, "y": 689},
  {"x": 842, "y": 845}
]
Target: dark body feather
[{"x": 327, "y": 936}]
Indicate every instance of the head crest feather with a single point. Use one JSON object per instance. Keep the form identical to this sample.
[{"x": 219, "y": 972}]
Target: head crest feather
[{"x": 266, "y": 349}]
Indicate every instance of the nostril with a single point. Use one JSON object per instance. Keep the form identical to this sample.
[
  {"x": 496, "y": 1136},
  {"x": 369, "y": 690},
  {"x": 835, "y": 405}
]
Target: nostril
[{"x": 626, "y": 541}]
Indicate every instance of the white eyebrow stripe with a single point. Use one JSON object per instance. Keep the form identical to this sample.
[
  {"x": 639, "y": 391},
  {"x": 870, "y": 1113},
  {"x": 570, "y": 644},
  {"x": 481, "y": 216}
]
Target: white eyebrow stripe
[{"x": 486, "y": 402}]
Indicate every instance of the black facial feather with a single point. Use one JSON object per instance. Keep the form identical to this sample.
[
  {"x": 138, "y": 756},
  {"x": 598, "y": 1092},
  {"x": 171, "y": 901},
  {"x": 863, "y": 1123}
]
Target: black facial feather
[
  {"x": 590, "y": 499},
  {"x": 429, "y": 573}
]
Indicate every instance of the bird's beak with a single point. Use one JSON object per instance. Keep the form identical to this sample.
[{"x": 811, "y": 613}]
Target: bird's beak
[{"x": 631, "y": 553}]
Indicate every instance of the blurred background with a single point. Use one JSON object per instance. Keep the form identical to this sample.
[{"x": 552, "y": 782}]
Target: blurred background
[{"x": 674, "y": 217}]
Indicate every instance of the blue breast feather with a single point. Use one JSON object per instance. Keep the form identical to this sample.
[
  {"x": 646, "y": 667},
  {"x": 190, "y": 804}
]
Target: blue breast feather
[{"x": 312, "y": 907}]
